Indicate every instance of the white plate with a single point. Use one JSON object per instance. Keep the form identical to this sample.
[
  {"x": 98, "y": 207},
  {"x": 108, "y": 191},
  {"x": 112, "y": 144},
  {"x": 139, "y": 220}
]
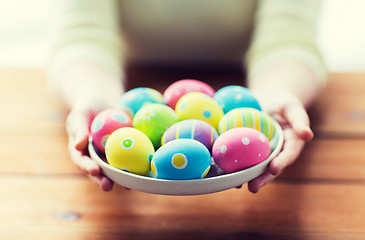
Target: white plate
[{"x": 214, "y": 182}]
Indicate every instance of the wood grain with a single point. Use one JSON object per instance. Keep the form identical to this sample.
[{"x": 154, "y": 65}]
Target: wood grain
[
  {"x": 74, "y": 207},
  {"x": 340, "y": 111}
]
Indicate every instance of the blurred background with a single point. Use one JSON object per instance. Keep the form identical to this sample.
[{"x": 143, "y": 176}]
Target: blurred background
[{"x": 24, "y": 34}]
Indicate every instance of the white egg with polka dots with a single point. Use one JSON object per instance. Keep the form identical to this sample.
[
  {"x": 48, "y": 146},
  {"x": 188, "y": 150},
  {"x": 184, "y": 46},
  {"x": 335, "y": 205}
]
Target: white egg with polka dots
[
  {"x": 240, "y": 148},
  {"x": 181, "y": 159}
]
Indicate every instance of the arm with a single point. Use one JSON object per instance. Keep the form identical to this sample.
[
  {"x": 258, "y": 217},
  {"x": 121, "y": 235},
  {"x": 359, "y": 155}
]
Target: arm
[
  {"x": 286, "y": 73},
  {"x": 85, "y": 70}
]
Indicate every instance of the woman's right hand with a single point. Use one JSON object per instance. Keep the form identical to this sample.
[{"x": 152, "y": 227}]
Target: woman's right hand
[{"x": 77, "y": 126}]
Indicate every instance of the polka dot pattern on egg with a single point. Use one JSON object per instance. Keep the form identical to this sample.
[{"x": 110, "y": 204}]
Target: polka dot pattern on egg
[
  {"x": 223, "y": 149},
  {"x": 197, "y": 105},
  {"x": 179, "y": 161},
  {"x": 240, "y": 148},
  {"x": 120, "y": 117},
  {"x": 127, "y": 143},
  {"x": 105, "y": 123},
  {"x": 245, "y": 140},
  {"x": 97, "y": 124}
]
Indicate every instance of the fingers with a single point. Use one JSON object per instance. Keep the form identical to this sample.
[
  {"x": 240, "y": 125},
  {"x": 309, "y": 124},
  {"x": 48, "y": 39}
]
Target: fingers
[
  {"x": 83, "y": 162},
  {"x": 104, "y": 183},
  {"x": 257, "y": 183},
  {"x": 77, "y": 126},
  {"x": 91, "y": 168},
  {"x": 291, "y": 149},
  {"x": 289, "y": 111},
  {"x": 297, "y": 117}
]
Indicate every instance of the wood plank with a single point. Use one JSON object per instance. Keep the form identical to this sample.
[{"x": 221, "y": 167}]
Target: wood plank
[
  {"x": 35, "y": 154},
  {"x": 333, "y": 160},
  {"x": 340, "y": 110},
  {"x": 27, "y": 106},
  {"x": 72, "y": 207}
]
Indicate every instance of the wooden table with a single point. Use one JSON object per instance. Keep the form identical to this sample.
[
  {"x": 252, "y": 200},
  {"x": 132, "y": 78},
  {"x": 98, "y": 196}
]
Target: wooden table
[{"x": 44, "y": 196}]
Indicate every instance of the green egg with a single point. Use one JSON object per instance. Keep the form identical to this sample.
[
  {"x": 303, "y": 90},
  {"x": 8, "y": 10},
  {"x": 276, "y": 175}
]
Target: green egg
[{"x": 153, "y": 120}]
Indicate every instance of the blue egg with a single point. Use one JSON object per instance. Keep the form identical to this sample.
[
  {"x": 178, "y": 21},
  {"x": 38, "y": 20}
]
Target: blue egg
[
  {"x": 181, "y": 159},
  {"x": 234, "y": 96},
  {"x": 136, "y": 98}
]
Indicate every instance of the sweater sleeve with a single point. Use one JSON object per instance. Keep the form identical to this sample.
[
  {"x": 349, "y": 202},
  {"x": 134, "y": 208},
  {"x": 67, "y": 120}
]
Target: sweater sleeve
[
  {"x": 84, "y": 31},
  {"x": 285, "y": 30}
]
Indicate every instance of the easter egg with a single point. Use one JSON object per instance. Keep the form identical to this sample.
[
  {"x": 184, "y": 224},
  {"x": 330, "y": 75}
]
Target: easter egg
[
  {"x": 240, "y": 148},
  {"x": 153, "y": 120},
  {"x": 196, "y": 105},
  {"x": 247, "y": 117},
  {"x": 191, "y": 129},
  {"x": 136, "y": 98},
  {"x": 181, "y": 159},
  {"x": 105, "y": 123},
  {"x": 129, "y": 149},
  {"x": 233, "y": 96},
  {"x": 176, "y": 90}
]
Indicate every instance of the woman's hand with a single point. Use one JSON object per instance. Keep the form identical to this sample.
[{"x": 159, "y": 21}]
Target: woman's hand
[
  {"x": 77, "y": 126},
  {"x": 87, "y": 89},
  {"x": 289, "y": 111}
]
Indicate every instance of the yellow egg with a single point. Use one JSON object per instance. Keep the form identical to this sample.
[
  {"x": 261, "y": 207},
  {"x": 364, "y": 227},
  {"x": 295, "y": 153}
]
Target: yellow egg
[
  {"x": 196, "y": 105},
  {"x": 129, "y": 149}
]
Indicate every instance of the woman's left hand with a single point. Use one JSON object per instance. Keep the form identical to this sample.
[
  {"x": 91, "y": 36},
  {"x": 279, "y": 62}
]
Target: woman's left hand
[{"x": 289, "y": 111}]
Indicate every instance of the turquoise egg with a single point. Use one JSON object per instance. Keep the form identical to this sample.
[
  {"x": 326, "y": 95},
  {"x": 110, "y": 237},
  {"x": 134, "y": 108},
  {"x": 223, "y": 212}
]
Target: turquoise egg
[
  {"x": 234, "y": 96},
  {"x": 136, "y": 98},
  {"x": 181, "y": 159}
]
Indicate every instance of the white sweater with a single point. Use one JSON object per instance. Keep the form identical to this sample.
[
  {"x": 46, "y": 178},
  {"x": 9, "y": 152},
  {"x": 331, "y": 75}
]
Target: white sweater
[{"x": 255, "y": 33}]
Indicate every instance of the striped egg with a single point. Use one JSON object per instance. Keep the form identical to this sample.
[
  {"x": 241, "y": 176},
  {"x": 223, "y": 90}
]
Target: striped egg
[
  {"x": 247, "y": 117},
  {"x": 195, "y": 129}
]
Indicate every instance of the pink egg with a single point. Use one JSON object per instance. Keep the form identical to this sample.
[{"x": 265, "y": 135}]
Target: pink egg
[
  {"x": 176, "y": 90},
  {"x": 105, "y": 123},
  {"x": 240, "y": 148}
]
